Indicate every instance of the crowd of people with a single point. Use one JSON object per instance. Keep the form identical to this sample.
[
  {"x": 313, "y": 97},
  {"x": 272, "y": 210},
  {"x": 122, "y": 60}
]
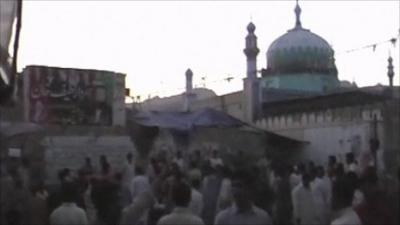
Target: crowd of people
[{"x": 196, "y": 189}]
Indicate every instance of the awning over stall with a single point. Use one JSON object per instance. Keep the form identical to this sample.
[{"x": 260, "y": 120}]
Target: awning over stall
[
  {"x": 186, "y": 121},
  {"x": 9, "y": 129}
]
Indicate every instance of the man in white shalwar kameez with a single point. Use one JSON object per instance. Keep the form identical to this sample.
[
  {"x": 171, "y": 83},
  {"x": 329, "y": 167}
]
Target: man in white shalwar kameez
[
  {"x": 321, "y": 193},
  {"x": 304, "y": 208},
  {"x": 295, "y": 177},
  {"x": 139, "y": 183},
  {"x": 128, "y": 171}
]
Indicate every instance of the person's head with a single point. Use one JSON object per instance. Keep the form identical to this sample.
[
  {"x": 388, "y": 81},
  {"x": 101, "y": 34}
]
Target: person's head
[
  {"x": 177, "y": 174},
  {"x": 398, "y": 174},
  {"x": 209, "y": 170},
  {"x": 219, "y": 170},
  {"x": 161, "y": 162},
  {"x": 290, "y": 169},
  {"x": 310, "y": 166},
  {"x": 103, "y": 159},
  {"x": 105, "y": 168},
  {"x": 320, "y": 171},
  {"x": 295, "y": 169},
  {"x": 18, "y": 183},
  {"x": 242, "y": 185},
  {"x": 306, "y": 180},
  {"x": 339, "y": 170},
  {"x": 332, "y": 160},
  {"x": 118, "y": 177},
  {"x": 38, "y": 188},
  {"x": 88, "y": 161},
  {"x": 369, "y": 175},
  {"x": 139, "y": 170},
  {"x": 195, "y": 183},
  {"x": 349, "y": 158},
  {"x": 192, "y": 164},
  {"x": 354, "y": 179},
  {"x": 181, "y": 194},
  {"x": 153, "y": 161},
  {"x": 129, "y": 157},
  {"x": 266, "y": 153},
  {"x": 81, "y": 175},
  {"x": 178, "y": 154},
  {"x": 93, "y": 181},
  {"x": 145, "y": 200},
  {"x": 343, "y": 191},
  {"x": 313, "y": 173},
  {"x": 69, "y": 193},
  {"x": 226, "y": 172},
  {"x": 214, "y": 153},
  {"x": 301, "y": 168},
  {"x": 280, "y": 171},
  {"x": 374, "y": 144},
  {"x": 65, "y": 175},
  {"x": 25, "y": 162}
]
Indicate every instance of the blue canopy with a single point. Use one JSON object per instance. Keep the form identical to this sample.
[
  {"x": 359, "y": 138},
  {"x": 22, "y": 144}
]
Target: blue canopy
[
  {"x": 10, "y": 129},
  {"x": 179, "y": 123},
  {"x": 186, "y": 120}
]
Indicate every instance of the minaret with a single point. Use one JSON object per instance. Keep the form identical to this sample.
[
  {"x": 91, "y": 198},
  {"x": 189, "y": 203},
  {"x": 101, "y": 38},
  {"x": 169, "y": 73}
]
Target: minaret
[
  {"x": 251, "y": 51},
  {"x": 390, "y": 72},
  {"x": 189, "y": 90},
  {"x": 251, "y": 84}
]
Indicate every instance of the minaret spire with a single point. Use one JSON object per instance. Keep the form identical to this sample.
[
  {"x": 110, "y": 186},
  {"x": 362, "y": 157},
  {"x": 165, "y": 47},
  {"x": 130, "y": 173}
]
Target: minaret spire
[
  {"x": 390, "y": 72},
  {"x": 297, "y": 11},
  {"x": 189, "y": 91}
]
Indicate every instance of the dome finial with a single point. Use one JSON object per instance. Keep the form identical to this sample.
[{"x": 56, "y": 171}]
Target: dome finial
[
  {"x": 297, "y": 11},
  {"x": 251, "y": 27}
]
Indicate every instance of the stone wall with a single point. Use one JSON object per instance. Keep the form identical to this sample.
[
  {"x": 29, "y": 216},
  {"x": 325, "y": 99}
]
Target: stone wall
[
  {"x": 31, "y": 150},
  {"x": 228, "y": 141},
  {"x": 70, "y": 151},
  {"x": 335, "y": 131}
]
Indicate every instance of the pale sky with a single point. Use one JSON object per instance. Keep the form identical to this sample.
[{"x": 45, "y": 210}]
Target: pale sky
[{"x": 154, "y": 42}]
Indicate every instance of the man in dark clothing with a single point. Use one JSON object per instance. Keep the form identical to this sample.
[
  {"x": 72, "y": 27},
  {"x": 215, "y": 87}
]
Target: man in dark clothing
[
  {"x": 283, "y": 199},
  {"x": 105, "y": 197},
  {"x": 55, "y": 195},
  {"x": 374, "y": 209},
  {"x": 87, "y": 169}
]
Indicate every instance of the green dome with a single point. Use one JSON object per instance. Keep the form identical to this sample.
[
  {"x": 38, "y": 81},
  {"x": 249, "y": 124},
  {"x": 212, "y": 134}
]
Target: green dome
[
  {"x": 300, "y": 60},
  {"x": 299, "y": 51}
]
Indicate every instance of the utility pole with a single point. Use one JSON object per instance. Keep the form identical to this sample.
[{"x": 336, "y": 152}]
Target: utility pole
[{"x": 374, "y": 141}]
